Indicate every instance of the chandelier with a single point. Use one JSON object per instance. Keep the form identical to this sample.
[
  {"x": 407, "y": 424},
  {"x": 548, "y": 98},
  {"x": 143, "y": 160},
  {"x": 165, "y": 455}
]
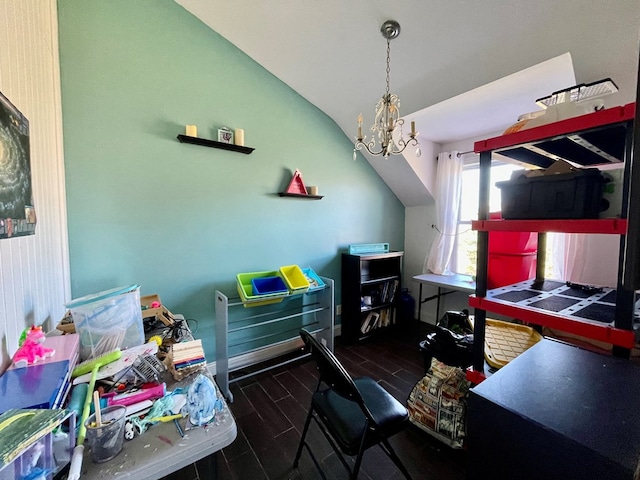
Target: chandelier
[{"x": 387, "y": 119}]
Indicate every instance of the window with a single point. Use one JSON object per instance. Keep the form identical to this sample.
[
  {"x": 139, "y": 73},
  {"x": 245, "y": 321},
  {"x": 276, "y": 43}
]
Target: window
[
  {"x": 466, "y": 239},
  {"x": 465, "y": 249}
]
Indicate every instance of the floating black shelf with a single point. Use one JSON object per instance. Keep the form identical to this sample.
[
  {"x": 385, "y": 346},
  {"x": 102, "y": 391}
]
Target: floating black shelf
[
  {"x": 204, "y": 142},
  {"x": 301, "y": 195}
]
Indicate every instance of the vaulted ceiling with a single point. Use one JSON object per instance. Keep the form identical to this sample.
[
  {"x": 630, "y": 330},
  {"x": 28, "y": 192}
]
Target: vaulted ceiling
[{"x": 332, "y": 53}]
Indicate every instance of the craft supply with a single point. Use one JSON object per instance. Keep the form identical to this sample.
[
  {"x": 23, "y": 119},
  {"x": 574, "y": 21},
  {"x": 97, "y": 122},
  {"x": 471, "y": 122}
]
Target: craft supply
[
  {"x": 185, "y": 358},
  {"x": 78, "y": 451},
  {"x": 178, "y": 427},
  {"x": 201, "y": 401},
  {"x": 126, "y": 359},
  {"x": 152, "y": 393},
  {"x": 21, "y": 428},
  {"x": 161, "y": 407},
  {"x": 88, "y": 366},
  {"x": 106, "y": 438},
  {"x": 96, "y": 407},
  {"x": 166, "y": 418},
  {"x": 76, "y": 402}
]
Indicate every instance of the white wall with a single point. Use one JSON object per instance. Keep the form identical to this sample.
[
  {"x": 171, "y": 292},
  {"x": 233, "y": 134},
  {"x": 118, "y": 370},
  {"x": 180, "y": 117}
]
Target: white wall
[{"x": 34, "y": 270}]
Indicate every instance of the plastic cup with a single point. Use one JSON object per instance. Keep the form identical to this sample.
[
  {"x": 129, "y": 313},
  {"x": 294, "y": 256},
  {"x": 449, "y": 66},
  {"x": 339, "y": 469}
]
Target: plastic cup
[{"x": 106, "y": 440}]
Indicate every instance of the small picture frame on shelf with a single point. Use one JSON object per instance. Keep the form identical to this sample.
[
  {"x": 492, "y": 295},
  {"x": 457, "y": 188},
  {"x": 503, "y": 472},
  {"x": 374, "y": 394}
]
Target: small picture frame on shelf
[{"x": 225, "y": 135}]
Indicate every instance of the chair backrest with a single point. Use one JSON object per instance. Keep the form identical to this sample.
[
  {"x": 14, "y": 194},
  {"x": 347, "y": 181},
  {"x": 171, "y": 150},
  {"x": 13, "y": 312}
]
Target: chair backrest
[{"x": 332, "y": 372}]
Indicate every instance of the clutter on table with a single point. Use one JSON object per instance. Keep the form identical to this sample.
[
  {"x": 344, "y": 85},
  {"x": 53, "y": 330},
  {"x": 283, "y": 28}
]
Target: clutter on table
[{"x": 117, "y": 391}]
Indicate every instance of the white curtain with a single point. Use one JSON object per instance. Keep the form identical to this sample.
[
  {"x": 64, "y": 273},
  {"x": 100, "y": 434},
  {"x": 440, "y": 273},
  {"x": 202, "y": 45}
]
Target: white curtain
[
  {"x": 447, "y": 197},
  {"x": 592, "y": 259}
]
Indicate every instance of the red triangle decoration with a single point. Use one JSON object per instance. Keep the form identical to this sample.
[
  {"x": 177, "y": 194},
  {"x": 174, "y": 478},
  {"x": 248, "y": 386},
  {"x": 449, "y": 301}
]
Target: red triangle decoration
[{"x": 297, "y": 184}]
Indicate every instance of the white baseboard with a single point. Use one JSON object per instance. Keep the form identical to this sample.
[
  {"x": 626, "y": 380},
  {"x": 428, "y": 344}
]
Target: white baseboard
[{"x": 263, "y": 354}]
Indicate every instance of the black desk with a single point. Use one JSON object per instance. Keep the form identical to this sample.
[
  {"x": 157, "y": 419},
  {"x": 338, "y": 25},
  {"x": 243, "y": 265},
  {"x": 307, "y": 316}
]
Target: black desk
[{"x": 556, "y": 412}]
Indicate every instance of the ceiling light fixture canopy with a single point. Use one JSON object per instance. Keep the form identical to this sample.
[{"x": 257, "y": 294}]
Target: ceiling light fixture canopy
[{"x": 387, "y": 119}]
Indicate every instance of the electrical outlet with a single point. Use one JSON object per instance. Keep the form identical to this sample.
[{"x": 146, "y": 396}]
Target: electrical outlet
[{"x": 338, "y": 309}]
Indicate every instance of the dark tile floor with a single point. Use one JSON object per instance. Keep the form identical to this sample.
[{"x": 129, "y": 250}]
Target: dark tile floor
[{"x": 270, "y": 410}]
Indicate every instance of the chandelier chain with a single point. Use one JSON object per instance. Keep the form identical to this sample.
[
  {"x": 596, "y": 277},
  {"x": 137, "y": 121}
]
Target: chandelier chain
[{"x": 388, "y": 64}]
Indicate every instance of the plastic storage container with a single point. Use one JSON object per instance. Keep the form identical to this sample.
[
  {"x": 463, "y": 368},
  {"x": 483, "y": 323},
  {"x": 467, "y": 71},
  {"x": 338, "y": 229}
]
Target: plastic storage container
[
  {"x": 564, "y": 195},
  {"x": 315, "y": 282},
  {"x": 511, "y": 242},
  {"x": 294, "y": 278},
  {"x": 245, "y": 289},
  {"x": 268, "y": 285},
  {"x": 37, "y": 455},
  {"x": 505, "y": 269},
  {"x": 108, "y": 320}
]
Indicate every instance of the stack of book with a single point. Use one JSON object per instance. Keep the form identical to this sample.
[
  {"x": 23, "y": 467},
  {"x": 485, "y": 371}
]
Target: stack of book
[
  {"x": 186, "y": 358},
  {"x": 44, "y": 384},
  {"x": 389, "y": 291}
]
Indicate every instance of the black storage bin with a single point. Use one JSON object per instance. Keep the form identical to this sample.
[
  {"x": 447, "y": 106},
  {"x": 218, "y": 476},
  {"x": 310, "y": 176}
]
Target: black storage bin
[{"x": 563, "y": 195}]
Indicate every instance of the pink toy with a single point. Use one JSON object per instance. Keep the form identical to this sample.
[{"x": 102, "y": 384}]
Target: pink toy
[{"x": 31, "y": 351}]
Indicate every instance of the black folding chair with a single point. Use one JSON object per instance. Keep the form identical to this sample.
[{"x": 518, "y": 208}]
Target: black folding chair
[{"x": 353, "y": 414}]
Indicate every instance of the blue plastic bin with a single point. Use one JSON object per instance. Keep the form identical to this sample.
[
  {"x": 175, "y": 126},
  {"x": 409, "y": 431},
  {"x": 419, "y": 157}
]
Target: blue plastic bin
[
  {"x": 315, "y": 282},
  {"x": 268, "y": 285}
]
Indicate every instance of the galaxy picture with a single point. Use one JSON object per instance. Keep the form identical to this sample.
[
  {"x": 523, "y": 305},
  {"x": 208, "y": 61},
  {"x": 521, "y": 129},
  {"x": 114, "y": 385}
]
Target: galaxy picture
[{"x": 17, "y": 214}]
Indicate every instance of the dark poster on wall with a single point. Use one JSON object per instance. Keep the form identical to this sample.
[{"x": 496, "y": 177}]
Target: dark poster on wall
[{"x": 17, "y": 213}]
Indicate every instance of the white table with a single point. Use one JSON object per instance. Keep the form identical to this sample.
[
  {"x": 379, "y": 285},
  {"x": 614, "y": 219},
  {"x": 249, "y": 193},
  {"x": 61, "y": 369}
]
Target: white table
[
  {"x": 161, "y": 450},
  {"x": 450, "y": 283}
]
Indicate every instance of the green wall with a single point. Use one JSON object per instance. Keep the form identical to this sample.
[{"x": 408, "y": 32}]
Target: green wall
[{"x": 182, "y": 220}]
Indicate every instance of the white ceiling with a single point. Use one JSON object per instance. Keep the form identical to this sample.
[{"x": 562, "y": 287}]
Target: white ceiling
[{"x": 332, "y": 53}]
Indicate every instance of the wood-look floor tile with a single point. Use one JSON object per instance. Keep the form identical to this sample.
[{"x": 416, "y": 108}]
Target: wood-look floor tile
[
  {"x": 272, "y": 418},
  {"x": 273, "y": 388},
  {"x": 271, "y": 408},
  {"x": 246, "y": 467}
]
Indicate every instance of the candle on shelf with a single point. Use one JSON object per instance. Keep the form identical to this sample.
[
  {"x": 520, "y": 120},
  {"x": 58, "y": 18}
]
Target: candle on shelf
[
  {"x": 192, "y": 131},
  {"x": 238, "y": 137}
]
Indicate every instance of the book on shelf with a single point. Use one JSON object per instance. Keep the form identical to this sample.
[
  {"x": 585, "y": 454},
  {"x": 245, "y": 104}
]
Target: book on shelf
[
  {"x": 389, "y": 290},
  {"x": 369, "y": 322},
  {"x": 384, "y": 317}
]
